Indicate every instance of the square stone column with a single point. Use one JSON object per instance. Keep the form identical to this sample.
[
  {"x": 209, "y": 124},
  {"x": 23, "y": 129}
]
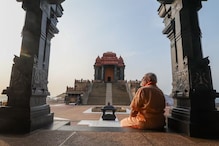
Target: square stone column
[
  {"x": 194, "y": 111},
  {"x": 27, "y": 109}
]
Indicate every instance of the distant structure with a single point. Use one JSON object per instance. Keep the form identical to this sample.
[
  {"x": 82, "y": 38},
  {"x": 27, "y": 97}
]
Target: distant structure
[
  {"x": 75, "y": 94},
  {"x": 109, "y": 68}
]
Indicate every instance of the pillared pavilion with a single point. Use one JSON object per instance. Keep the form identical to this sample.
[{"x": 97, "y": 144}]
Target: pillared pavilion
[{"x": 109, "y": 68}]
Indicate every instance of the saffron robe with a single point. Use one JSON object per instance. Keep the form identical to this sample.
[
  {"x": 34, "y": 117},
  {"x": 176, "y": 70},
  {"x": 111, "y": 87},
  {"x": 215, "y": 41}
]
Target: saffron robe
[{"x": 147, "y": 109}]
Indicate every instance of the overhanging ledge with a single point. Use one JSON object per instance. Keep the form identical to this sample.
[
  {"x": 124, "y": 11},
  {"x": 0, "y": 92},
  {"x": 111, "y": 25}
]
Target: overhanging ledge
[
  {"x": 166, "y": 1},
  {"x": 49, "y": 1}
]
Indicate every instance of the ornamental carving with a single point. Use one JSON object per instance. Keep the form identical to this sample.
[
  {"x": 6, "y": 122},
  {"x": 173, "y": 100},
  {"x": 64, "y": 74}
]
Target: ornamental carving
[
  {"x": 181, "y": 83},
  {"x": 201, "y": 75},
  {"x": 181, "y": 80},
  {"x": 201, "y": 80},
  {"x": 39, "y": 78},
  {"x": 19, "y": 76}
]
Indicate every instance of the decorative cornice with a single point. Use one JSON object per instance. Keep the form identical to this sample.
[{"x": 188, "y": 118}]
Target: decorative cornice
[
  {"x": 55, "y": 1},
  {"x": 49, "y": 1},
  {"x": 166, "y": 1},
  {"x": 109, "y": 58}
]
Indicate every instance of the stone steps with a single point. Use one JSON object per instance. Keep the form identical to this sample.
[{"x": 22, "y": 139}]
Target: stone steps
[{"x": 98, "y": 95}]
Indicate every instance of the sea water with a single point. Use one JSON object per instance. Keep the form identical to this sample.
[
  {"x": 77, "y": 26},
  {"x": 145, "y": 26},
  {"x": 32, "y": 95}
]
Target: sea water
[{"x": 3, "y": 99}]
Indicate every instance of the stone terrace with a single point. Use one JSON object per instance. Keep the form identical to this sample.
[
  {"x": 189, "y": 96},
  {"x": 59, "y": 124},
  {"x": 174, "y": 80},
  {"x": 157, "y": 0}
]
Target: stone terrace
[{"x": 60, "y": 134}]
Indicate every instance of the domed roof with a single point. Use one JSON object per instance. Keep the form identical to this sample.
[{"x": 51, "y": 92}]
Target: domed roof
[
  {"x": 109, "y": 54},
  {"x": 109, "y": 58},
  {"x": 121, "y": 62},
  {"x": 98, "y": 61}
]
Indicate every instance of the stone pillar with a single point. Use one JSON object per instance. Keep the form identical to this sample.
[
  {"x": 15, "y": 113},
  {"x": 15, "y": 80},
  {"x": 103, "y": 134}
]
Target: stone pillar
[
  {"x": 194, "y": 112},
  {"x": 103, "y": 73},
  {"x": 116, "y": 77},
  {"x": 95, "y": 72},
  {"x": 27, "y": 109},
  {"x": 121, "y": 73}
]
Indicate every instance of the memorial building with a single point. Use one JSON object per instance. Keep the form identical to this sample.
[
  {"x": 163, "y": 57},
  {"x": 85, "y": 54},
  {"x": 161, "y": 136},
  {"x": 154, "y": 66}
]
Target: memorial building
[{"x": 109, "y": 68}]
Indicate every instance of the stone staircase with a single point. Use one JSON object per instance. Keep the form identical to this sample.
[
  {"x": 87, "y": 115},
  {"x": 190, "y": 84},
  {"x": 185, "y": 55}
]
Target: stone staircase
[
  {"x": 98, "y": 94},
  {"x": 120, "y": 95}
]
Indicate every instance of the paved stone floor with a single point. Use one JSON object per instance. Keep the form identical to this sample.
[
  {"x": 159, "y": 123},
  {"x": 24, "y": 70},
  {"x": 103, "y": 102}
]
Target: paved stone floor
[
  {"x": 75, "y": 134},
  {"x": 88, "y": 138}
]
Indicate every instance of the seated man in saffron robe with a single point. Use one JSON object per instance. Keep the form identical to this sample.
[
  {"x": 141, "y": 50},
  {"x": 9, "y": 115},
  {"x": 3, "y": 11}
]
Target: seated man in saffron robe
[{"x": 147, "y": 106}]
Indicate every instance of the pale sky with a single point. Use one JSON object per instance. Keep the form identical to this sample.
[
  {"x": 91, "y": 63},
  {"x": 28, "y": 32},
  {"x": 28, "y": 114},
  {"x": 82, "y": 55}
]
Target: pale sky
[{"x": 88, "y": 28}]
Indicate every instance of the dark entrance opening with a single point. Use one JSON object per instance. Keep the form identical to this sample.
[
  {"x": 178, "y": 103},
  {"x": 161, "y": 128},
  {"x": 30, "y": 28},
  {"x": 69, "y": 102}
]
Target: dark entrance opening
[{"x": 108, "y": 79}]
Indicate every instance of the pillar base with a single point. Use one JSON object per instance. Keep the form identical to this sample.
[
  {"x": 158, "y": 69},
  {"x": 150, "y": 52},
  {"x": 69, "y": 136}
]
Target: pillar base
[
  {"x": 24, "y": 120},
  {"x": 202, "y": 124},
  {"x": 41, "y": 117}
]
